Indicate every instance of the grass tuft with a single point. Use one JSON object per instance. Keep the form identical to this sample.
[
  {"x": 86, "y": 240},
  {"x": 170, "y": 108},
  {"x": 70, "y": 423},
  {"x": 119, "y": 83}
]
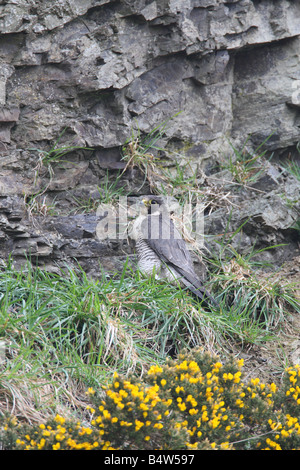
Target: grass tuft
[{"x": 66, "y": 332}]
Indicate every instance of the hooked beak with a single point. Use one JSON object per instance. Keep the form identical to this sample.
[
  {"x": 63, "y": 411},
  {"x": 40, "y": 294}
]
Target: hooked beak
[{"x": 146, "y": 202}]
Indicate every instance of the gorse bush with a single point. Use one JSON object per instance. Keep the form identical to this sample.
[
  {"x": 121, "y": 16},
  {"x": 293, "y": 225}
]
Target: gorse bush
[{"x": 194, "y": 402}]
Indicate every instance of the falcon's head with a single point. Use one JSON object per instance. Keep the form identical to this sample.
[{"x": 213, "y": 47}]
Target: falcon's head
[
  {"x": 153, "y": 205},
  {"x": 159, "y": 204}
]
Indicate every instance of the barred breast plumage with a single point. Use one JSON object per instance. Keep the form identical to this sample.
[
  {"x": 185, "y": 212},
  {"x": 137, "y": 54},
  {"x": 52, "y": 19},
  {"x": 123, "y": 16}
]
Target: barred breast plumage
[{"x": 148, "y": 261}]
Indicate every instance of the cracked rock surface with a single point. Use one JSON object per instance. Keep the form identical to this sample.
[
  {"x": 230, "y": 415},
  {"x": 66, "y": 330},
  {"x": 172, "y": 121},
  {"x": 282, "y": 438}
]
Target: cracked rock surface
[{"x": 94, "y": 71}]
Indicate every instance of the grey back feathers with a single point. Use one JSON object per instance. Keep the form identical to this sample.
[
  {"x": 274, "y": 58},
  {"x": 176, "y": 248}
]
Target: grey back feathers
[{"x": 162, "y": 251}]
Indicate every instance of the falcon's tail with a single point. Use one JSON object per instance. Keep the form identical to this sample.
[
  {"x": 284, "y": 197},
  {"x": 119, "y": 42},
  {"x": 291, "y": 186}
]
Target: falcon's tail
[{"x": 195, "y": 286}]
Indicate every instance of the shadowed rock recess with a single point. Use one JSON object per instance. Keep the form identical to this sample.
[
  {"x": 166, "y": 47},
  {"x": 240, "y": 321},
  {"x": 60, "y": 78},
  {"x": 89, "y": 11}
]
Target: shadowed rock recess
[{"x": 91, "y": 73}]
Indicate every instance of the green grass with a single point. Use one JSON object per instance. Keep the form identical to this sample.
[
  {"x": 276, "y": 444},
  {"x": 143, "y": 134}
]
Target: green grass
[
  {"x": 35, "y": 203},
  {"x": 246, "y": 167},
  {"x": 56, "y": 153},
  {"x": 141, "y": 151},
  {"x": 292, "y": 165},
  {"x": 247, "y": 284},
  {"x": 64, "y": 333},
  {"x": 109, "y": 192},
  {"x": 294, "y": 168}
]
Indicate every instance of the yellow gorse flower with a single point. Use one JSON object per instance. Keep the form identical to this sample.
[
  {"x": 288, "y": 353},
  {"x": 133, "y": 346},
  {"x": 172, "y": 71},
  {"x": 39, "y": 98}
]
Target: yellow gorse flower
[
  {"x": 155, "y": 370},
  {"x": 197, "y": 404}
]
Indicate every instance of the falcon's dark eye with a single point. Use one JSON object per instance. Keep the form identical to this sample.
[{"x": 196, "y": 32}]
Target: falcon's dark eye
[{"x": 153, "y": 201}]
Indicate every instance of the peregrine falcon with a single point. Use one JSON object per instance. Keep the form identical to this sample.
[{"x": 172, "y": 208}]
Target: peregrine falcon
[{"x": 160, "y": 249}]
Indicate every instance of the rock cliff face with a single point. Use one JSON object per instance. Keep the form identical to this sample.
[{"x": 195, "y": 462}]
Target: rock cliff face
[{"x": 92, "y": 71}]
